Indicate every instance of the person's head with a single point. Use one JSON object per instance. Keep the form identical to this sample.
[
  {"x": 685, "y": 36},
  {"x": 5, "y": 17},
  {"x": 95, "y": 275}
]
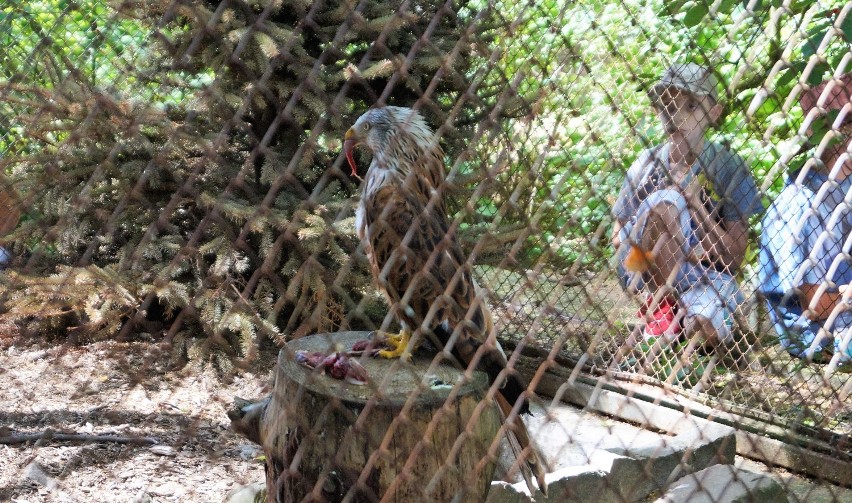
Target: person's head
[
  {"x": 829, "y": 103},
  {"x": 686, "y": 101}
]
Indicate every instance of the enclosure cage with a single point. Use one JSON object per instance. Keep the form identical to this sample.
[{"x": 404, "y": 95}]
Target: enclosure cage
[{"x": 175, "y": 194}]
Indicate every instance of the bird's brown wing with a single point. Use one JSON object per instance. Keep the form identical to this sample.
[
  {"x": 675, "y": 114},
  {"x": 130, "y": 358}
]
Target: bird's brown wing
[
  {"x": 419, "y": 264},
  {"x": 402, "y": 236}
]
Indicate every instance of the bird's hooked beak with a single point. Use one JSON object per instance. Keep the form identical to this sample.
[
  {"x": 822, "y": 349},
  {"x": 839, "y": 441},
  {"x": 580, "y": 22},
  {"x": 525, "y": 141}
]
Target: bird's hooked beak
[{"x": 349, "y": 143}]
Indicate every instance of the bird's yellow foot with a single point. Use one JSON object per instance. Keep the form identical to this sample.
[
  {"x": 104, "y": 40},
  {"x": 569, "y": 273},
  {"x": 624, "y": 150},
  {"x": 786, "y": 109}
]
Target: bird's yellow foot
[{"x": 400, "y": 344}]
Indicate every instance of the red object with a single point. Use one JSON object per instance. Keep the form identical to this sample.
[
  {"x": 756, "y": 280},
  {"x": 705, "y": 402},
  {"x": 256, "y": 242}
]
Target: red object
[
  {"x": 340, "y": 367},
  {"x": 348, "y": 147},
  {"x": 663, "y": 320},
  {"x": 312, "y": 360},
  {"x": 361, "y": 345}
]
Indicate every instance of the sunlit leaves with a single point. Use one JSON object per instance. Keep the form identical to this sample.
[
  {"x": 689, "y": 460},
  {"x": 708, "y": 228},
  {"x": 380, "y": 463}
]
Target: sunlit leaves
[
  {"x": 695, "y": 13},
  {"x": 84, "y": 33}
]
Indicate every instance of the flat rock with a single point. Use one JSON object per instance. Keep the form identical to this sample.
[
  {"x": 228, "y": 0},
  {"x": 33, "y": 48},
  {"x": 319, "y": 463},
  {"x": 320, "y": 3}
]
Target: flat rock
[
  {"x": 247, "y": 493},
  {"x": 35, "y": 472},
  {"x": 724, "y": 484},
  {"x": 504, "y": 492},
  {"x": 591, "y": 454}
]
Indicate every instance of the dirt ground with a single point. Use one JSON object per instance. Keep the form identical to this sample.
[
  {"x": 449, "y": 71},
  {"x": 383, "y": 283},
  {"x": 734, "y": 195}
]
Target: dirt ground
[
  {"x": 130, "y": 391},
  {"x": 126, "y": 390}
]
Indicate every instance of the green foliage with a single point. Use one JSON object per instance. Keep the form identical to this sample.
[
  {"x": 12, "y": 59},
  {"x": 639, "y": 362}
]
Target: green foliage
[
  {"x": 216, "y": 205},
  {"x": 579, "y": 68},
  {"x": 766, "y": 57},
  {"x": 49, "y": 42},
  {"x": 187, "y": 155},
  {"x": 584, "y": 67},
  {"x": 678, "y": 364},
  {"x": 45, "y": 39}
]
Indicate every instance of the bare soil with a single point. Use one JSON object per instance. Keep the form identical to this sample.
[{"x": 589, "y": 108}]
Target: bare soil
[{"x": 127, "y": 390}]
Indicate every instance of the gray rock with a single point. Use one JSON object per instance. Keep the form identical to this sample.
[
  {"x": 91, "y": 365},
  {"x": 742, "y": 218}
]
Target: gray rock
[
  {"x": 577, "y": 484},
  {"x": 504, "y": 492},
  {"x": 142, "y": 497},
  {"x": 37, "y": 474},
  {"x": 252, "y": 493},
  {"x": 163, "y": 450},
  {"x": 724, "y": 484},
  {"x": 589, "y": 454}
]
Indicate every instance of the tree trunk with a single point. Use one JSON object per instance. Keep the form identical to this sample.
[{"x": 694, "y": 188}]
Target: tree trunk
[{"x": 408, "y": 435}]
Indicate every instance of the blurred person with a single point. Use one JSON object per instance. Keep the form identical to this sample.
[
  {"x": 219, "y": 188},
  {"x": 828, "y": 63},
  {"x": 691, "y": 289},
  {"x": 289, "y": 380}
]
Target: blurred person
[
  {"x": 805, "y": 266},
  {"x": 681, "y": 217},
  {"x": 10, "y": 215}
]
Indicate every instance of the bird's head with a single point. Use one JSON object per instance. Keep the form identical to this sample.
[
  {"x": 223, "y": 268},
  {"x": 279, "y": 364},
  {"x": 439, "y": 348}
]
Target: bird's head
[{"x": 382, "y": 128}]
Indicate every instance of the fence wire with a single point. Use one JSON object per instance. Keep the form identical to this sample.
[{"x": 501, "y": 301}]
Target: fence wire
[{"x": 649, "y": 200}]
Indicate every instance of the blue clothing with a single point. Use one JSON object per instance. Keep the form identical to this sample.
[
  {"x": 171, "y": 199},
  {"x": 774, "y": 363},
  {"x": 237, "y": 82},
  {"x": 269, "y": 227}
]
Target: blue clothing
[
  {"x": 702, "y": 290},
  {"x": 805, "y": 240},
  {"x": 730, "y": 189},
  {"x": 730, "y": 194}
]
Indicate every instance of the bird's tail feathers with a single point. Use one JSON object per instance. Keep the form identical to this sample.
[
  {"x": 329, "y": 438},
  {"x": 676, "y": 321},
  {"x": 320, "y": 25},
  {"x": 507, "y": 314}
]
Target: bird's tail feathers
[
  {"x": 492, "y": 361},
  {"x": 530, "y": 461},
  {"x": 512, "y": 388}
]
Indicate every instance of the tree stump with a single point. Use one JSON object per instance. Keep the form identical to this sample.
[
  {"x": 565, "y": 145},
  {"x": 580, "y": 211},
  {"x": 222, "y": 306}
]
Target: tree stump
[{"x": 410, "y": 434}]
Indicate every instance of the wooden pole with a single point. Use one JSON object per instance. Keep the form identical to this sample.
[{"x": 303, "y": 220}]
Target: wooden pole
[{"x": 417, "y": 431}]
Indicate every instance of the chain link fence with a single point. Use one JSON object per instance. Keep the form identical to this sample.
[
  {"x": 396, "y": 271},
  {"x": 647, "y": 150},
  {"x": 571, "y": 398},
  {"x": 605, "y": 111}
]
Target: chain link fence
[{"x": 176, "y": 202}]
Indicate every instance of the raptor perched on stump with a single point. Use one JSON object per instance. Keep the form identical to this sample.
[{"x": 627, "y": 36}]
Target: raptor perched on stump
[{"x": 418, "y": 264}]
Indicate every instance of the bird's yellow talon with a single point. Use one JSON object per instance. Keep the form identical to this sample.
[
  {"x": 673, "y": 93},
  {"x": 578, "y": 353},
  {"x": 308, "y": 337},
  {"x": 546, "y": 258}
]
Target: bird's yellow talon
[{"x": 399, "y": 343}]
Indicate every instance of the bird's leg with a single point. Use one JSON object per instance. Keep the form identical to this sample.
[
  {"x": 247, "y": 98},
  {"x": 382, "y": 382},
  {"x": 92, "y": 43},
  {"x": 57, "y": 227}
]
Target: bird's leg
[{"x": 400, "y": 344}]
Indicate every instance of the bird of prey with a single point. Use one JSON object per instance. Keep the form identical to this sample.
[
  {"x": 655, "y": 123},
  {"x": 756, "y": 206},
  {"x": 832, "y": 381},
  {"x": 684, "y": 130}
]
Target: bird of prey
[{"x": 418, "y": 263}]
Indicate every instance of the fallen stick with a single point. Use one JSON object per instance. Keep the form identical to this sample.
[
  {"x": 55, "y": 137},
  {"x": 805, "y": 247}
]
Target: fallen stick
[{"x": 20, "y": 438}]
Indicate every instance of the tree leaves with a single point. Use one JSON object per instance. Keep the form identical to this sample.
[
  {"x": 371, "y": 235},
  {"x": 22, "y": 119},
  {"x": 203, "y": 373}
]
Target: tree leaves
[{"x": 695, "y": 13}]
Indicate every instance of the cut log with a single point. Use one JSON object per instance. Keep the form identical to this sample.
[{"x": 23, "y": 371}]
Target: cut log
[{"x": 418, "y": 431}]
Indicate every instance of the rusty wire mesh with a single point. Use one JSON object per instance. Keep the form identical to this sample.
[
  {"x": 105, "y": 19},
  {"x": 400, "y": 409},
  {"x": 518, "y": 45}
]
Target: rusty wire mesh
[{"x": 173, "y": 187}]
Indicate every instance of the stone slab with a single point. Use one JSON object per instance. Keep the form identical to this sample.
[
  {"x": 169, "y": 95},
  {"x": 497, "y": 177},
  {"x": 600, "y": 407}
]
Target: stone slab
[
  {"x": 724, "y": 484},
  {"x": 592, "y": 454}
]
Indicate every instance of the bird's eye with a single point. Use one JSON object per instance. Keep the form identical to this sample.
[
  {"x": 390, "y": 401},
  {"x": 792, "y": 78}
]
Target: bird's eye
[{"x": 366, "y": 126}]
